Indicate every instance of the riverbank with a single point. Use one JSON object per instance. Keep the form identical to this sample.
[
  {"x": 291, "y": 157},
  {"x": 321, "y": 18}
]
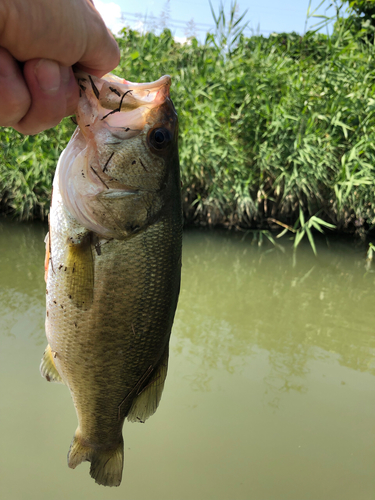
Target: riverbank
[{"x": 272, "y": 133}]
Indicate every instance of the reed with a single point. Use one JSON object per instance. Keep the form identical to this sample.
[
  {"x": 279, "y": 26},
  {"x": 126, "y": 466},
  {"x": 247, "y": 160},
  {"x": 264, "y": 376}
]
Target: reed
[{"x": 274, "y": 131}]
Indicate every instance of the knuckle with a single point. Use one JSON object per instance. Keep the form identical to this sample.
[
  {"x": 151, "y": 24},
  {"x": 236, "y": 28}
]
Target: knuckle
[
  {"x": 15, "y": 102},
  {"x": 38, "y": 119},
  {"x": 12, "y": 112}
]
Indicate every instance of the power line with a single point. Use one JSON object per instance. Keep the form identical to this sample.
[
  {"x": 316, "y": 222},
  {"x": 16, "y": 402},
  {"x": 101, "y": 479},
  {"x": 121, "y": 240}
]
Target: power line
[
  {"x": 155, "y": 18},
  {"x": 179, "y": 23}
]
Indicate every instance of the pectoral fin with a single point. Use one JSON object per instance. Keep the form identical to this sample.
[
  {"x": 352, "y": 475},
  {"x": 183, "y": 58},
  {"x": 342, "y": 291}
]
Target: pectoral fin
[
  {"x": 48, "y": 368},
  {"x": 147, "y": 401},
  {"x": 80, "y": 271}
]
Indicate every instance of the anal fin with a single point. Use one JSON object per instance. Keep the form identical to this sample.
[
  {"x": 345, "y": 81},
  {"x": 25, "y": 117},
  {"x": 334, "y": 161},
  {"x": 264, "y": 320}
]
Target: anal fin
[
  {"x": 147, "y": 401},
  {"x": 48, "y": 368}
]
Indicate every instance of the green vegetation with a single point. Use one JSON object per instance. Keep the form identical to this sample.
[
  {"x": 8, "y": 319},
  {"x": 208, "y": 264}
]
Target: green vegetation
[
  {"x": 27, "y": 165},
  {"x": 276, "y": 131}
]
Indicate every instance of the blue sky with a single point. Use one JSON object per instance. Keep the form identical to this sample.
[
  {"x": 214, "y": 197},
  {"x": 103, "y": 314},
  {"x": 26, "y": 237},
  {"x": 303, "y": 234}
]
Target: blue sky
[{"x": 267, "y": 16}]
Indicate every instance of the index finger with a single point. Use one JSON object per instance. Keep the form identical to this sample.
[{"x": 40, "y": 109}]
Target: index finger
[
  {"x": 66, "y": 31},
  {"x": 102, "y": 53},
  {"x": 15, "y": 96}
]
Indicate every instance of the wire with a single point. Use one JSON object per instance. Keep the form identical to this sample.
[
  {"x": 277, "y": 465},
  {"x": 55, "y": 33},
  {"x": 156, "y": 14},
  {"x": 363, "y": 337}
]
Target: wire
[{"x": 179, "y": 23}]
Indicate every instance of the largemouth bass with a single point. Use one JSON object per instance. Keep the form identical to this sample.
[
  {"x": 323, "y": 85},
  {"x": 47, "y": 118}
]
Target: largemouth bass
[{"x": 113, "y": 262}]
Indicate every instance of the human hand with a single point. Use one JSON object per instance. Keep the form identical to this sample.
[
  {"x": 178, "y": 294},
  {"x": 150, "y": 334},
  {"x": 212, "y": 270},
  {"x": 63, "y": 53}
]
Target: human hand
[{"x": 49, "y": 37}]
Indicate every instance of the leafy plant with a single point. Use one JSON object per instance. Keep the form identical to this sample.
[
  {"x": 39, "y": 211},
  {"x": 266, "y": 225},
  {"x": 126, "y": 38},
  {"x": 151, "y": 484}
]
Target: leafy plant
[
  {"x": 228, "y": 28},
  {"x": 304, "y": 228},
  {"x": 270, "y": 128}
]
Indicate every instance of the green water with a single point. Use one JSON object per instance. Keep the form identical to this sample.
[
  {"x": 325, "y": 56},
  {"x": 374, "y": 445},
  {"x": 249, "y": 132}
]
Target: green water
[{"x": 270, "y": 393}]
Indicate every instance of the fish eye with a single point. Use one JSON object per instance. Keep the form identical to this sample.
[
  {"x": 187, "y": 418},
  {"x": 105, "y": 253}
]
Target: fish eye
[{"x": 160, "y": 138}]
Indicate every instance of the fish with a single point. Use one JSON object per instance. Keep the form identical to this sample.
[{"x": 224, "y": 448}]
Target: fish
[{"x": 113, "y": 263}]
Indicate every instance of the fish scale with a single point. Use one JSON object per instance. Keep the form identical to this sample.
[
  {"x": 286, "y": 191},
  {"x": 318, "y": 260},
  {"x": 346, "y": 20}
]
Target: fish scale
[{"x": 111, "y": 300}]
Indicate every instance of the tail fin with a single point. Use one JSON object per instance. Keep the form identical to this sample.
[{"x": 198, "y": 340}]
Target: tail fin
[{"x": 106, "y": 465}]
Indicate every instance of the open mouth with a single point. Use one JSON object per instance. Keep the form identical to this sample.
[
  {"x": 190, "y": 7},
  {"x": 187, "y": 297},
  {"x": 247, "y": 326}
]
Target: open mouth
[{"x": 119, "y": 105}]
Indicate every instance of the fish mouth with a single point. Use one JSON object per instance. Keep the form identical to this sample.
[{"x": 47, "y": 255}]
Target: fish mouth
[
  {"x": 121, "y": 106},
  {"x": 162, "y": 86}
]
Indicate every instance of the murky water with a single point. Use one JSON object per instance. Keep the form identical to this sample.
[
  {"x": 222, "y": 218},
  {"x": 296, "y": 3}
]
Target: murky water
[{"x": 270, "y": 393}]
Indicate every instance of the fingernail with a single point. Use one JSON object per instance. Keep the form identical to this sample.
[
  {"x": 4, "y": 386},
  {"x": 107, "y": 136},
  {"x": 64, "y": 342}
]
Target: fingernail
[{"x": 48, "y": 75}]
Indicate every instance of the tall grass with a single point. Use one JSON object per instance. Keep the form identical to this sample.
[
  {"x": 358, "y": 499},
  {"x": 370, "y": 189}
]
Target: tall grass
[
  {"x": 271, "y": 129},
  {"x": 27, "y": 165}
]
